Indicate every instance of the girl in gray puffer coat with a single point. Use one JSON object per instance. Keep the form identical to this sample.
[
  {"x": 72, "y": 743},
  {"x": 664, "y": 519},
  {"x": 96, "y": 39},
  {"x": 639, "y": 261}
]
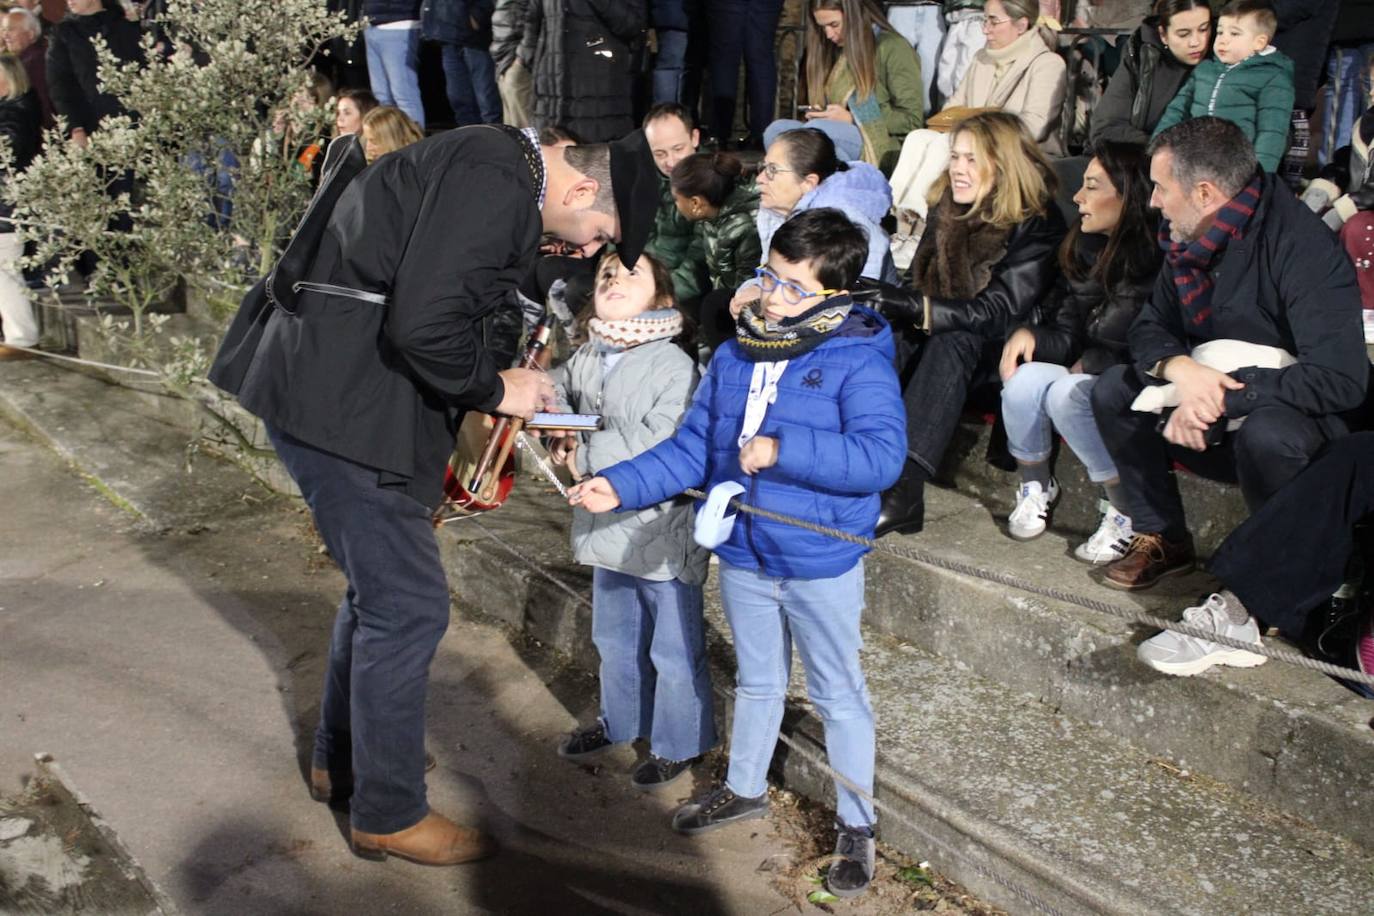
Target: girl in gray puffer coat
[{"x": 647, "y": 571}]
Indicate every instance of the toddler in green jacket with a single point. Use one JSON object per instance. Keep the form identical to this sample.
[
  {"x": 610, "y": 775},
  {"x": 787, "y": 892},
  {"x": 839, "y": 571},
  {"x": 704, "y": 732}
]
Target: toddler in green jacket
[{"x": 1248, "y": 82}]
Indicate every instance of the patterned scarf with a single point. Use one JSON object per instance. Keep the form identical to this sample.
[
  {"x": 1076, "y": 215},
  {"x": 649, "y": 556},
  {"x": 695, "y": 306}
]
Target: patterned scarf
[
  {"x": 1190, "y": 263},
  {"x": 624, "y": 333},
  {"x": 761, "y": 339}
]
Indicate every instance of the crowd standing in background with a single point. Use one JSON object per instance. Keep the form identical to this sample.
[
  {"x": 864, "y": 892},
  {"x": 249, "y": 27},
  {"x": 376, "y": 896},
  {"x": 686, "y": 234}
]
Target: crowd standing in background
[{"x": 1143, "y": 227}]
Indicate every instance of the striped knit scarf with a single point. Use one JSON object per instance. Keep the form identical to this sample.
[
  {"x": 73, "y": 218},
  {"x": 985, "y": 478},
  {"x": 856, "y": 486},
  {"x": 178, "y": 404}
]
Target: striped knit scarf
[
  {"x": 761, "y": 339},
  {"x": 1190, "y": 263},
  {"x": 624, "y": 333}
]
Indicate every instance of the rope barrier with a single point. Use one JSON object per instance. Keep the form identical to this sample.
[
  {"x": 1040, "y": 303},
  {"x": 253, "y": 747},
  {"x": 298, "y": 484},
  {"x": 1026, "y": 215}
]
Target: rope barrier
[{"x": 85, "y": 362}]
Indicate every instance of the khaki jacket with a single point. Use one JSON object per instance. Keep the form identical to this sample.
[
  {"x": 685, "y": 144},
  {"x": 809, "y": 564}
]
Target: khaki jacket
[{"x": 1032, "y": 86}]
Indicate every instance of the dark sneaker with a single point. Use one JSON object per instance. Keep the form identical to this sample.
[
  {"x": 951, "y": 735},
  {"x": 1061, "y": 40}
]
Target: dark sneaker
[
  {"x": 717, "y": 808},
  {"x": 655, "y": 772},
  {"x": 1148, "y": 559},
  {"x": 585, "y": 743},
  {"x": 853, "y": 871}
]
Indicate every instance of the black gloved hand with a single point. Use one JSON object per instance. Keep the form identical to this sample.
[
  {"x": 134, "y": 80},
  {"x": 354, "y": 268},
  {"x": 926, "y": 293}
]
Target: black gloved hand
[{"x": 900, "y": 305}]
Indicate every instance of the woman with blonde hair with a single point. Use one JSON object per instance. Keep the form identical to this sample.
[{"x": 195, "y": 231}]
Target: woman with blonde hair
[
  {"x": 986, "y": 260},
  {"x": 1016, "y": 72},
  {"x": 20, "y": 122},
  {"x": 387, "y": 129},
  {"x": 863, "y": 82}
]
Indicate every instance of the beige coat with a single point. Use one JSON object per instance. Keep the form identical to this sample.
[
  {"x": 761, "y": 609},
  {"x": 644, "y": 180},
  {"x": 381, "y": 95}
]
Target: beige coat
[{"x": 1031, "y": 86}]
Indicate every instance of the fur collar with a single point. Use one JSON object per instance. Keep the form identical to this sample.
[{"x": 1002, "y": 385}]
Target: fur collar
[{"x": 955, "y": 257}]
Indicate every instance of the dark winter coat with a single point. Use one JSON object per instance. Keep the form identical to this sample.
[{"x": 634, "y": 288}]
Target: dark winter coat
[
  {"x": 1255, "y": 94},
  {"x": 1140, "y": 90},
  {"x": 35, "y": 61},
  {"x": 72, "y": 65},
  {"x": 731, "y": 238},
  {"x": 20, "y": 123},
  {"x": 380, "y": 12},
  {"x": 445, "y": 228},
  {"x": 1304, "y": 32},
  {"x": 1354, "y": 22},
  {"x": 1011, "y": 272},
  {"x": 582, "y": 54},
  {"x": 675, "y": 245},
  {"x": 1287, "y": 283},
  {"x": 1086, "y": 322},
  {"x": 451, "y": 22},
  {"x": 507, "y": 29}
]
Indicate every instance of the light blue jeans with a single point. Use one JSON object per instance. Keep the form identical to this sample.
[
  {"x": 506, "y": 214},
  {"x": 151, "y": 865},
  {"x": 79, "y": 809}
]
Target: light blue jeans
[
  {"x": 393, "y": 66},
  {"x": 1041, "y": 398},
  {"x": 924, "y": 28},
  {"x": 849, "y": 143},
  {"x": 654, "y": 679},
  {"x": 822, "y": 615}
]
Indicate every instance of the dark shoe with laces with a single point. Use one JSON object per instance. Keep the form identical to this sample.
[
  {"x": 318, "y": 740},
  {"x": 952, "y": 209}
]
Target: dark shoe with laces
[
  {"x": 851, "y": 874},
  {"x": 1149, "y": 558},
  {"x": 586, "y": 743},
  {"x": 656, "y": 772},
  {"x": 716, "y": 809},
  {"x": 904, "y": 506}
]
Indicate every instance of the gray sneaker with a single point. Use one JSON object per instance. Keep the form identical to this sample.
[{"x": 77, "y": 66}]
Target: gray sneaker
[
  {"x": 716, "y": 809},
  {"x": 1183, "y": 656},
  {"x": 851, "y": 875}
]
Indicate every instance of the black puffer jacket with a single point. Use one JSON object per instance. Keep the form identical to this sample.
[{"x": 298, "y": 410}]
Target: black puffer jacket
[
  {"x": 20, "y": 123},
  {"x": 1304, "y": 32},
  {"x": 1142, "y": 87},
  {"x": 72, "y": 65},
  {"x": 1086, "y": 322},
  {"x": 507, "y": 29},
  {"x": 582, "y": 55}
]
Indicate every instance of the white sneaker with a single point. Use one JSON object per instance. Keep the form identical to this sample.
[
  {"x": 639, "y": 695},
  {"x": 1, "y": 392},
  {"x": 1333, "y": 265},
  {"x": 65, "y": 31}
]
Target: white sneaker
[
  {"x": 1184, "y": 656},
  {"x": 1111, "y": 539},
  {"x": 1030, "y": 517}
]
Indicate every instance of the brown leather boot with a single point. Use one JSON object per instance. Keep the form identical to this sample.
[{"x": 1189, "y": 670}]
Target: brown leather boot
[
  {"x": 324, "y": 788},
  {"x": 436, "y": 840},
  {"x": 1148, "y": 559}
]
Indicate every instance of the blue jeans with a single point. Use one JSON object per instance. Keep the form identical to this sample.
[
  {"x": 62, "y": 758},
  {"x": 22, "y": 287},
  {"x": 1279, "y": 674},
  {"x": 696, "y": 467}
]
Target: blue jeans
[
  {"x": 393, "y": 64},
  {"x": 849, "y": 143},
  {"x": 654, "y": 679},
  {"x": 924, "y": 28},
  {"x": 670, "y": 65},
  {"x": 1344, "y": 97},
  {"x": 765, "y": 614},
  {"x": 470, "y": 78},
  {"x": 1041, "y": 394},
  {"x": 742, "y": 29},
  {"x": 395, "y": 610}
]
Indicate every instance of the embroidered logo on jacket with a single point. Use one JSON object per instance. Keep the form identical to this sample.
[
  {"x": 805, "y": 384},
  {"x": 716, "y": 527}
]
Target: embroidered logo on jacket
[{"x": 812, "y": 379}]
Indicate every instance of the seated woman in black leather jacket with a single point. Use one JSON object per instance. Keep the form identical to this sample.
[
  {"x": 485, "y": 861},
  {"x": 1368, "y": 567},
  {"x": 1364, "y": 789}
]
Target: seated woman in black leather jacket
[
  {"x": 1108, "y": 264},
  {"x": 986, "y": 259}
]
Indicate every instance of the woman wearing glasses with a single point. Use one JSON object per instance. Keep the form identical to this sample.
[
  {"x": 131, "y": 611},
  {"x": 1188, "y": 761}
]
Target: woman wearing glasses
[
  {"x": 986, "y": 260},
  {"x": 801, "y": 172},
  {"x": 1017, "y": 72}
]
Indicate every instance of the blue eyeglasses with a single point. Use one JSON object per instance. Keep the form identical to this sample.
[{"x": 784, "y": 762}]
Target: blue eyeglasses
[{"x": 791, "y": 292}]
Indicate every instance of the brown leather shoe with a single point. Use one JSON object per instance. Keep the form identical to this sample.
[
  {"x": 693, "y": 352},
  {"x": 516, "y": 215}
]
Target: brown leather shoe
[
  {"x": 14, "y": 353},
  {"x": 1148, "y": 559},
  {"x": 436, "y": 840},
  {"x": 325, "y": 788}
]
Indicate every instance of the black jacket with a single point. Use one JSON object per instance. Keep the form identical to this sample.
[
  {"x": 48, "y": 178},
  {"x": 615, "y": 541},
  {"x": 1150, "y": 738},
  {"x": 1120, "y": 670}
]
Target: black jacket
[
  {"x": 1141, "y": 88},
  {"x": 1305, "y": 28},
  {"x": 583, "y": 57},
  {"x": 445, "y": 228},
  {"x": 1086, "y": 322},
  {"x": 72, "y": 79},
  {"x": 20, "y": 122},
  {"x": 1286, "y": 284},
  {"x": 380, "y": 12},
  {"x": 1018, "y": 284},
  {"x": 450, "y": 22}
]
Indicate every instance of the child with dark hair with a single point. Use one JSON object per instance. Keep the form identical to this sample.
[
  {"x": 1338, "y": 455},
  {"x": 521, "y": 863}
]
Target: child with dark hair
[
  {"x": 803, "y": 410},
  {"x": 1248, "y": 81}
]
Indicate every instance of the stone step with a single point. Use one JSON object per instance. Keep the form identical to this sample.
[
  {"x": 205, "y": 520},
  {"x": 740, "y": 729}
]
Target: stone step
[{"x": 1213, "y": 508}]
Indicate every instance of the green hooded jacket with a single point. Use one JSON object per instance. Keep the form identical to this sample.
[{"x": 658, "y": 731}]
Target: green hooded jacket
[
  {"x": 731, "y": 238},
  {"x": 675, "y": 245}
]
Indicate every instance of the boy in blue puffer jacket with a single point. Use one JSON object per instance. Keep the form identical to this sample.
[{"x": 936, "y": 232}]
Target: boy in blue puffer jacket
[{"x": 804, "y": 409}]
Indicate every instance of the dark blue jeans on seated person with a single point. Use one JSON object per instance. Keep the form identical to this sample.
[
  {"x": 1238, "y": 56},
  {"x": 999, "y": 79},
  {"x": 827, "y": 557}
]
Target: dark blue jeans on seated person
[
  {"x": 372, "y": 716},
  {"x": 1272, "y": 446}
]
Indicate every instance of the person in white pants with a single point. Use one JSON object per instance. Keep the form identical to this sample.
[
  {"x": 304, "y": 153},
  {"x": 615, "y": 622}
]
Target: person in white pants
[
  {"x": 20, "y": 116},
  {"x": 17, "y": 321}
]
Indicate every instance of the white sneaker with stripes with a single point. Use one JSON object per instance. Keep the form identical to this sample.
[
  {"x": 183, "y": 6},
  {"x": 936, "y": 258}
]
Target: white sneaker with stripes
[
  {"x": 1111, "y": 539},
  {"x": 1031, "y": 515}
]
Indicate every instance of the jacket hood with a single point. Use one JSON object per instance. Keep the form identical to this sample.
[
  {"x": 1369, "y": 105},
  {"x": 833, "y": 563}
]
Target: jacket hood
[
  {"x": 1274, "y": 58},
  {"x": 865, "y": 328},
  {"x": 860, "y": 188}
]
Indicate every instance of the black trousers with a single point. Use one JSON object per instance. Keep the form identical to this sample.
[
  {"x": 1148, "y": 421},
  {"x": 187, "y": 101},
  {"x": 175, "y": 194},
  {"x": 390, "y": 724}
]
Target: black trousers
[
  {"x": 937, "y": 373},
  {"x": 1270, "y": 449},
  {"x": 1289, "y": 556}
]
